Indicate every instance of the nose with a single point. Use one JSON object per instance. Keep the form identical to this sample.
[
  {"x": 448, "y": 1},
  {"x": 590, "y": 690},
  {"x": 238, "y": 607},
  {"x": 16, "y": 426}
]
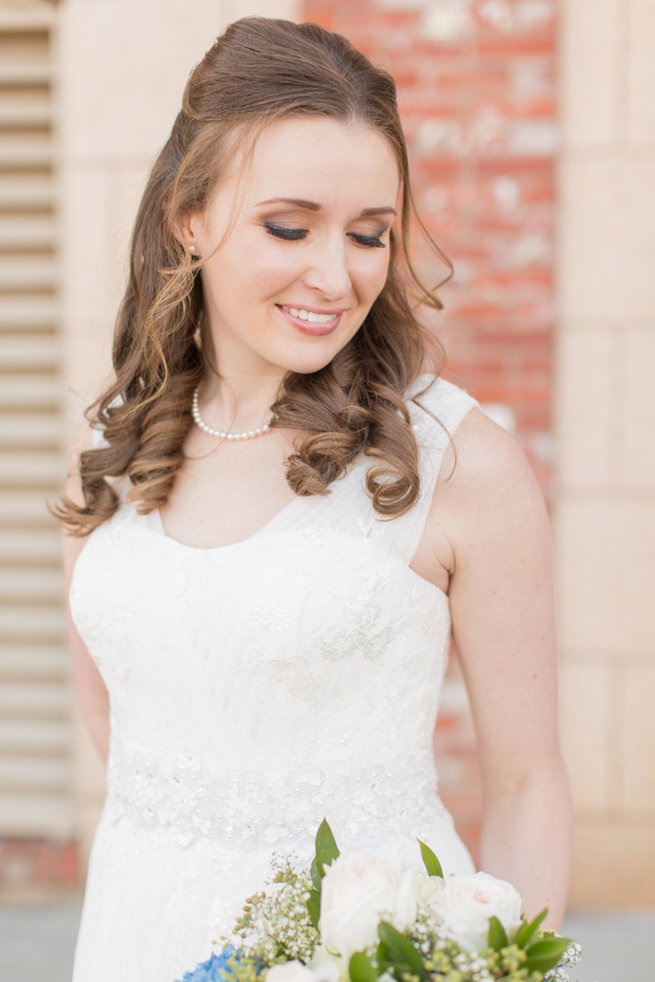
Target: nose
[{"x": 328, "y": 272}]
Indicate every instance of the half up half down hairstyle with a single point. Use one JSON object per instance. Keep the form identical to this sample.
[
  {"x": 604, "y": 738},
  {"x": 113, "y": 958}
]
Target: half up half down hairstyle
[{"x": 258, "y": 72}]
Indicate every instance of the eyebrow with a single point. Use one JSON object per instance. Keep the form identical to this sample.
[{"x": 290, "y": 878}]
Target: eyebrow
[{"x": 313, "y": 206}]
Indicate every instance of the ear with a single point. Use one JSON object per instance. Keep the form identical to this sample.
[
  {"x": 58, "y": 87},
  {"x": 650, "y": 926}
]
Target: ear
[{"x": 188, "y": 229}]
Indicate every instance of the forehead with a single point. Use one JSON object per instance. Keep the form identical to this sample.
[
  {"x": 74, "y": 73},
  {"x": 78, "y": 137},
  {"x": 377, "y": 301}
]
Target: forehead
[{"x": 320, "y": 159}]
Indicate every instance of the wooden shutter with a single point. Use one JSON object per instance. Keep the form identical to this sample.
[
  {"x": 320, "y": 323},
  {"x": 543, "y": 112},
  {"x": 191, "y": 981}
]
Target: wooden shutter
[{"x": 36, "y": 796}]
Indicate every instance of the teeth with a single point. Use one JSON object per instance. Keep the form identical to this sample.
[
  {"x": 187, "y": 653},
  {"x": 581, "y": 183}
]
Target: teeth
[{"x": 309, "y": 315}]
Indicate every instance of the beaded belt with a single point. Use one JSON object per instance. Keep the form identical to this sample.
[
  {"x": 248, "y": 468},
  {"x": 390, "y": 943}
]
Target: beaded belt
[{"x": 183, "y": 797}]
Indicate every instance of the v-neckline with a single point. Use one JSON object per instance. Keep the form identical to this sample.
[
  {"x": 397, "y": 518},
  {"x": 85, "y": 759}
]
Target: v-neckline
[{"x": 158, "y": 525}]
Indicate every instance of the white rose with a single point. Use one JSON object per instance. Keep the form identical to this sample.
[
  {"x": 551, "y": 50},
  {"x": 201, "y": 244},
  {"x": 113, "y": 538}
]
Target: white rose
[
  {"x": 463, "y": 905},
  {"x": 357, "y": 892},
  {"x": 327, "y": 967},
  {"x": 291, "y": 972}
]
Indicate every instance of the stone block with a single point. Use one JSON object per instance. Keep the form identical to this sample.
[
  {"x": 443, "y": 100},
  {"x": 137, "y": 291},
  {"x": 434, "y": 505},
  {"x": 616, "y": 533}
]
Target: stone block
[
  {"x": 584, "y": 407},
  {"x": 641, "y": 73},
  {"x": 87, "y": 358},
  {"x": 122, "y": 66},
  {"x": 636, "y": 411},
  {"x": 586, "y": 730},
  {"x": 637, "y": 740},
  {"x": 234, "y": 9},
  {"x": 605, "y": 569},
  {"x": 612, "y": 865},
  {"x": 87, "y": 253},
  {"x": 607, "y": 239},
  {"x": 592, "y": 70},
  {"x": 128, "y": 181}
]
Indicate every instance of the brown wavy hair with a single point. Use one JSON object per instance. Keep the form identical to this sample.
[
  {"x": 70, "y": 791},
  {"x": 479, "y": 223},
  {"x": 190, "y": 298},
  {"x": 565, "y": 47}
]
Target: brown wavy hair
[{"x": 260, "y": 71}]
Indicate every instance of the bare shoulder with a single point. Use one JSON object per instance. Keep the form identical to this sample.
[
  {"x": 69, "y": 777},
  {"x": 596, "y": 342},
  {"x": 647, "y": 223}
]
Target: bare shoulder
[
  {"x": 488, "y": 497},
  {"x": 484, "y": 460},
  {"x": 486, "y": 502}
]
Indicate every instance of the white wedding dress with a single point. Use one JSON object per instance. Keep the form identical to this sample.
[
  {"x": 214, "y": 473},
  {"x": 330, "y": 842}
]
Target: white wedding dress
[{"x": 255, "y": 689}]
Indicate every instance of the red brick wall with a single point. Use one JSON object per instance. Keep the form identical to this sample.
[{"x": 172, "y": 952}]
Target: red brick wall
[
  {"x": 476, "y": 87},
  {"x": 36, "y": 867}
]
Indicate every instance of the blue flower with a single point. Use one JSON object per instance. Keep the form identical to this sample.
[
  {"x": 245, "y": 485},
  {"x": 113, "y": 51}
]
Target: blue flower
[{"x": 217, "y": 969}]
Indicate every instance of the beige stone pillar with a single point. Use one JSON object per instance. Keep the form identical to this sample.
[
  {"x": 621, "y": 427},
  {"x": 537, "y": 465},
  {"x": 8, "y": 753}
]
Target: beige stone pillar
[
  {"x": 122, "y": 66},
  {"x": 605, "y": 509}
]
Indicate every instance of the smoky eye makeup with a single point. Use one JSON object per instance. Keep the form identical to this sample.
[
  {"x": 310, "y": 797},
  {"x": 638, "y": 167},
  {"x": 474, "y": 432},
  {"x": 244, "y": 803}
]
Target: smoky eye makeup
[
  {"x": 295, "y": 234},
  {"x": 371, "y": 241},
  {"x": 290, "y": 233}
]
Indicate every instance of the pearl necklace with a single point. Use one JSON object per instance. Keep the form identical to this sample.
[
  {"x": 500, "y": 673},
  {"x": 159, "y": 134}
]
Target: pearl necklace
[{"x": 217, "y": 434}]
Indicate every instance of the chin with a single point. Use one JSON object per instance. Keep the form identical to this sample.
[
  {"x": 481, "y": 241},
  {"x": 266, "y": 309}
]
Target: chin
[
  {"x": 307, "y": 365},
  {"x": 307, "y": 369}
]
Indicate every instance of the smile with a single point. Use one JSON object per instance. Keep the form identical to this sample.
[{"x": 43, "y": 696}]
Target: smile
[
  {"x": 310, "y": 315},
  {"x": 310, "y": 321}
]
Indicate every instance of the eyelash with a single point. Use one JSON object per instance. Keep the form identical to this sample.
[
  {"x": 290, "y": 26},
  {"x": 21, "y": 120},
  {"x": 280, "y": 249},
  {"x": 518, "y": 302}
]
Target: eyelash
[{"x": 296, "y": 234}]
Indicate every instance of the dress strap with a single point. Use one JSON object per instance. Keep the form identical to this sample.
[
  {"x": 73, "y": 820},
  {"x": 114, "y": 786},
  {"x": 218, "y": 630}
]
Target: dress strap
[{"x": 437, "y": 407}]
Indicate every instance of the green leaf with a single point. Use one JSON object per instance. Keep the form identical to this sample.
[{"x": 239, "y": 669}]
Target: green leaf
[
  {"x": 326, "y": 851},
  {"x": 432, "y": 864},
  {"x": 497, "y": 937},
  {"x": 314, "y": 907},
  {"x": 527, "y": 929},
  {"x": 397, "y": 953},
  {"x": 360, "y": 968},
  {"x": 315, "y": 875},
  {"x": 545, "y": 954}
]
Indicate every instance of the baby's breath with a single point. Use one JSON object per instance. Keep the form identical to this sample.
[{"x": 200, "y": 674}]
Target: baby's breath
[{"x": 275, "y": 926}]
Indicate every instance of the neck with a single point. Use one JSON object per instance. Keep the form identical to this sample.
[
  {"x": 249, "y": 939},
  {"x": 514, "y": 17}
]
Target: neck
[
  {"x": 239, "y": 401},
  {"x": 237, "y": 389}
]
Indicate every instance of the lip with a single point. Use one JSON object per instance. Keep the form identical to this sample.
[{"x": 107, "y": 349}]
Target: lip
[{"x": 307, "y": 327}]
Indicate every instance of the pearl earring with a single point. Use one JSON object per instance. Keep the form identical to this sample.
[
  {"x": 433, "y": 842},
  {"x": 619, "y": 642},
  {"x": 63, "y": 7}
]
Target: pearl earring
[{"x": 192, "y": 249}]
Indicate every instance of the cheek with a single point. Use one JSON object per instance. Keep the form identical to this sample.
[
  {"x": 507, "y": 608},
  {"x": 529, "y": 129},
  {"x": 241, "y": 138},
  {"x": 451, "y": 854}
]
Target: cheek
[
  {"x": 271, "y": 270},
  {"x": 373, "y": 278}
]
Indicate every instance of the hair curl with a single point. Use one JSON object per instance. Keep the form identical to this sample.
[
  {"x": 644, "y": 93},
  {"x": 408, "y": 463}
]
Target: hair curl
[{"x": 261, "y": 70}]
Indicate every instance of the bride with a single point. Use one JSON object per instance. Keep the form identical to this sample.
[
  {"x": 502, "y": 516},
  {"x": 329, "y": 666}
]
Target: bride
[{"x": 277, "y": 513}]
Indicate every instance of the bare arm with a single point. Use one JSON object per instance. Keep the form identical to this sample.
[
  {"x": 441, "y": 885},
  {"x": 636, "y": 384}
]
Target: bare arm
[
  {"x": 91, "y": 690},
  {"x": 501, "y": 596}
]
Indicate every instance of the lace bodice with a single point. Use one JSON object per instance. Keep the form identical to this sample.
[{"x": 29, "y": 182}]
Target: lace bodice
[{"x": 259, "y": 687}]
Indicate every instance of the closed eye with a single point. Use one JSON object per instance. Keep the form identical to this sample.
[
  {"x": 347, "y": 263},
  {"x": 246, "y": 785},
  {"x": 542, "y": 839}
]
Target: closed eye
[
  {"x": 370, "y": 241},
  {"x": 295, "y": 234},
  {"x": 282, "y": 232}
]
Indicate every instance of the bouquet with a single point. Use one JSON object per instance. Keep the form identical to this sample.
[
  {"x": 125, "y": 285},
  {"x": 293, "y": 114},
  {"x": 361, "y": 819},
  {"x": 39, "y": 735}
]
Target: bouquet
[{"x": 360, "y": 918}]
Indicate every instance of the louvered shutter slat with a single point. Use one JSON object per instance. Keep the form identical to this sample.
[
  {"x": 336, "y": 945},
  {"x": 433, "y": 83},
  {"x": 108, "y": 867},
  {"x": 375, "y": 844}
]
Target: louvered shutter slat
[
  {"x": 37, "y": 469},
  {"x": 36, "y": 784},
  {"x": 20, "y": 663},
  {"x": 30, "y": 351},
  {"x": 27, "y": 72},
  {"x": 29, "y": 391},
  {"x": 31, "y": 193},
  {"x": 21, "y": 546},
  {"x": 24, "y": 110},
  {"x": 32, "y": 622},
  {"x": 34, "y": 699},
  {"x": 24, "y": 585},
  {"x": 27, "y": 273},
  {"x": 25, "y": 814},
  {"x": 37, "y": 774},
  {"x": 46, "y": 738},
  {"x": 30, "y": 430},
  {"x": 26, "y": 312},
  {"x": 25, "y": 508},
  {"x": 25, "y": 232}
]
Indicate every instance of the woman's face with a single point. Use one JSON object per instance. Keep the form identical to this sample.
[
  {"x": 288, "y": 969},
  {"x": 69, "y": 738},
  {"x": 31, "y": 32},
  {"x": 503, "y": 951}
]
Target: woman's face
[{"x": 300, "y": 262}]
